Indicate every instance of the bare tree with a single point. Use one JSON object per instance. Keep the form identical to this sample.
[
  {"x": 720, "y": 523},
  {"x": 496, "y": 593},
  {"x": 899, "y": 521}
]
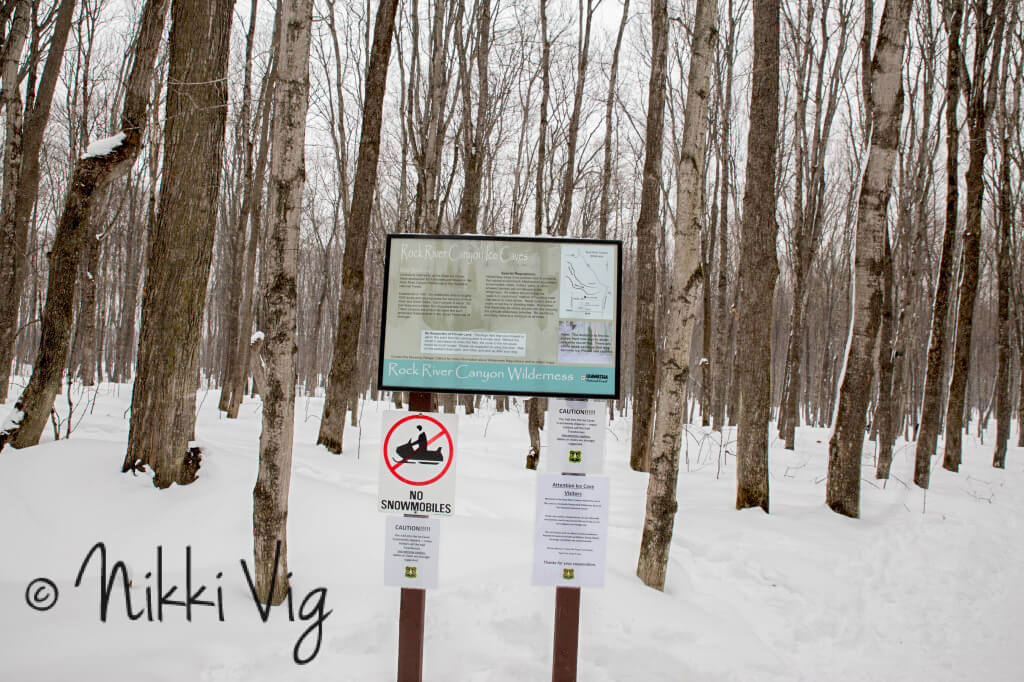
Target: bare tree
[
  {"x": 758, "y": 263},
  {"x": 344, "y": 377},
  {"x": 980, "y": 93},
  {"x": 110, "y": 159},
  {"x": 181, "y": 243},
  {"x": 21, "y": 168},
  {"x": 674, "y": 367},
  {"x": 886, "y": 108},
  {"x": 931, "y": 416},
  {"x": 287, "y": 180},
  {"x": 645, "y": 355}
]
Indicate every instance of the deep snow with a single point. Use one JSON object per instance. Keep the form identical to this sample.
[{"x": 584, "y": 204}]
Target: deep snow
[{"x": 917, "y": 589}]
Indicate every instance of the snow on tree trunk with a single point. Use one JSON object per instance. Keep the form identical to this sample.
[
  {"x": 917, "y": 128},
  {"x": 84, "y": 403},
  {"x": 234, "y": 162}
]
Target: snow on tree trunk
[
  {"x": 344, "y": 376},
  {"x": 886, "y": 102},
  {"x": 674, "y": 367},
  {"x": 181, "y": 242},
  {"x": 287, "y": 181}
]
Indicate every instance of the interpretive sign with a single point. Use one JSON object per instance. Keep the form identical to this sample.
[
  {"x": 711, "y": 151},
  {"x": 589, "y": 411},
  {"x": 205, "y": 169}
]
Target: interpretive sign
[
  {"x": 576, "y": 434},
  {"x": 411, "y": 550},
  {"x": 417, "y": 463},
  {"x": 571, "y": 531},
  {"x": 501, "y": 315}
]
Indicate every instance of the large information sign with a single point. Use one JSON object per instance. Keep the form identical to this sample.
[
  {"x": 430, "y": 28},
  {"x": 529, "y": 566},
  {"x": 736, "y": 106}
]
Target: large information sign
[{"x": 505, "y": 315}]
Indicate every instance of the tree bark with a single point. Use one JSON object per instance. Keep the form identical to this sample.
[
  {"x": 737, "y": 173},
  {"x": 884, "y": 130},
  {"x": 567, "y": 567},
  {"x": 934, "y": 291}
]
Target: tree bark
[
  {"x": 1004, "y": 402},
  {"x": 344, "y": 377},
  {"x": 569, "y": 177},
  {"x": 758, "y": 264},
  {"x": 886, "y": 356},
  {"x": 181, "y": 242},
  {"x": 647, "y": 226},
  {"x": 287, "y": 181},
  {"x": 606, "y": 168},
  {"x": 931, "y": 407},
  {"x": 23, "y": 149},
  {"x": 91, "y": 175},
  {"x": 886, "y": 108},
  {"x": 719, "y": 364},
  {"x": 674, "y": 367},
  {"x": 981, "y": 102}
]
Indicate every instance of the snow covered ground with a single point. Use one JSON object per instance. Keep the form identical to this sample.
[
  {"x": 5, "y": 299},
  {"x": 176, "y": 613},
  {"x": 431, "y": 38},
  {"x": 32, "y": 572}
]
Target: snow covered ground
[{"x": 917, "y": 589}]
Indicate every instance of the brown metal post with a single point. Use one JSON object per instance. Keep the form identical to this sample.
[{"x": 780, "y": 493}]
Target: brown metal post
[
  {"x": 567, "y": 634},
  {"x": 412, "y": 611}
]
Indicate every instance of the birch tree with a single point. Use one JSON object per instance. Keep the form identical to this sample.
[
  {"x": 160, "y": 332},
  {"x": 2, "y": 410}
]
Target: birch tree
[
  {"x": 886, "y": 108},
  {"x": 674, "y": 368},
  {"x": 287, "y": 180}
]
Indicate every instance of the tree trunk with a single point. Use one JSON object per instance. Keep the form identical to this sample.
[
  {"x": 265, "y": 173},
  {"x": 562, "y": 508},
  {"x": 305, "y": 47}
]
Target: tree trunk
[
  {"x": 979, "y": 109},
  {"x": 931, "y": 407},
  {"x": 674, "y": 367},
  {"x": 758, "y": 264},
  {"x": 606, "y": 168},
  {"x": 243, "y": 355},
  {"x": 569, "y": 177},
  {"x": 886, "y": 108},
  {"x": 545, "y": 71},
  {"x": 723, "y": 320},
  {"x": 287, "y": 181},
  {"x": 646, "y": 355},
  {"x": 244, "y": 150},
  {"x": 884, "y": 416},
  {"x": 23, "y": 152},
  {"x": 181, "y": 242},
  {"x": 12, "y": 262},
  {"x": 344, "y": 376},
  {"x": 1004, "y": 401},
  {"x": 91, "y": 175},
  {"x": 535, "y": 409}
]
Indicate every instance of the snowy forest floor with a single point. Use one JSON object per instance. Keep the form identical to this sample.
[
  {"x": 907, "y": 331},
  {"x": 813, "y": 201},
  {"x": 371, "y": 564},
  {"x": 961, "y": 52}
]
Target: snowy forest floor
[{"x": 920, "y": 588}]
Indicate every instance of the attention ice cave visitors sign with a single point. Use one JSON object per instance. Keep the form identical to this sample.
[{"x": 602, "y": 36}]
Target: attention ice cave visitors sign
[{"x": 501, "y": 315}]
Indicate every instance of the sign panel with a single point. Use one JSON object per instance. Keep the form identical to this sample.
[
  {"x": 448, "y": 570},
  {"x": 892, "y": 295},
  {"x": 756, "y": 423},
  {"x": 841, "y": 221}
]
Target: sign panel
[
  {"x": 571, "y": 532},
  {"x": 576, "y": 435},
  {"x": 501, "y": 315},
  {"x": 411, "y": 551},
  {"x": 417, "y": 463}
]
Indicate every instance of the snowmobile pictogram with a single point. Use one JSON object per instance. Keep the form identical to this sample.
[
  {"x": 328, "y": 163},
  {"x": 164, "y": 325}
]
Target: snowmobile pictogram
[{"x": 417, "y": 452}]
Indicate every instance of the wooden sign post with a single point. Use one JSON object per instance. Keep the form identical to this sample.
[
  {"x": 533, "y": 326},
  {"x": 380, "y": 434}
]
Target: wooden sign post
[
  {"x": 413, "y": 608},
  {"x": 567, "y": 634}
]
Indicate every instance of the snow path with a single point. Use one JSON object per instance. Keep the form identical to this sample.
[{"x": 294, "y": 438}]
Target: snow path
[{"x": 801, "y": 594}]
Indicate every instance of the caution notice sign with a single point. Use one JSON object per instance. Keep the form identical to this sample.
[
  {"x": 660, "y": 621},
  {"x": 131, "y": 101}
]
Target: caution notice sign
[
  {"x": 417, "y": 464},
  {"x": 411, "y": 551}
]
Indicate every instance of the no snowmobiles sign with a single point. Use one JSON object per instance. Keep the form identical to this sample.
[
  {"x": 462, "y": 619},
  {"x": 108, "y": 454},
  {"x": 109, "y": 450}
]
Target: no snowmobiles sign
[{"x": 417, "y": 464}]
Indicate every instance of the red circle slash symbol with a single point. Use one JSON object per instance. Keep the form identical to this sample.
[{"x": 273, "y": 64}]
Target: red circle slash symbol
[{"x": 393, "y": 465}]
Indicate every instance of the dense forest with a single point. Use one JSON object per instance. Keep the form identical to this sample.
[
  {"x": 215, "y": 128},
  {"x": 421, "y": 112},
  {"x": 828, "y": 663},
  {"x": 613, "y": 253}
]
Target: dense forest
[{"x": 816, "y": 200}]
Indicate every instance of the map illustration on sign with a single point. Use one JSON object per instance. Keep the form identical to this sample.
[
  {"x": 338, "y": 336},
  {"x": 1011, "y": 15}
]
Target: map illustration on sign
[
  {"x": 417, "y": 463},
  {"x": 588, "y": 278}
]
